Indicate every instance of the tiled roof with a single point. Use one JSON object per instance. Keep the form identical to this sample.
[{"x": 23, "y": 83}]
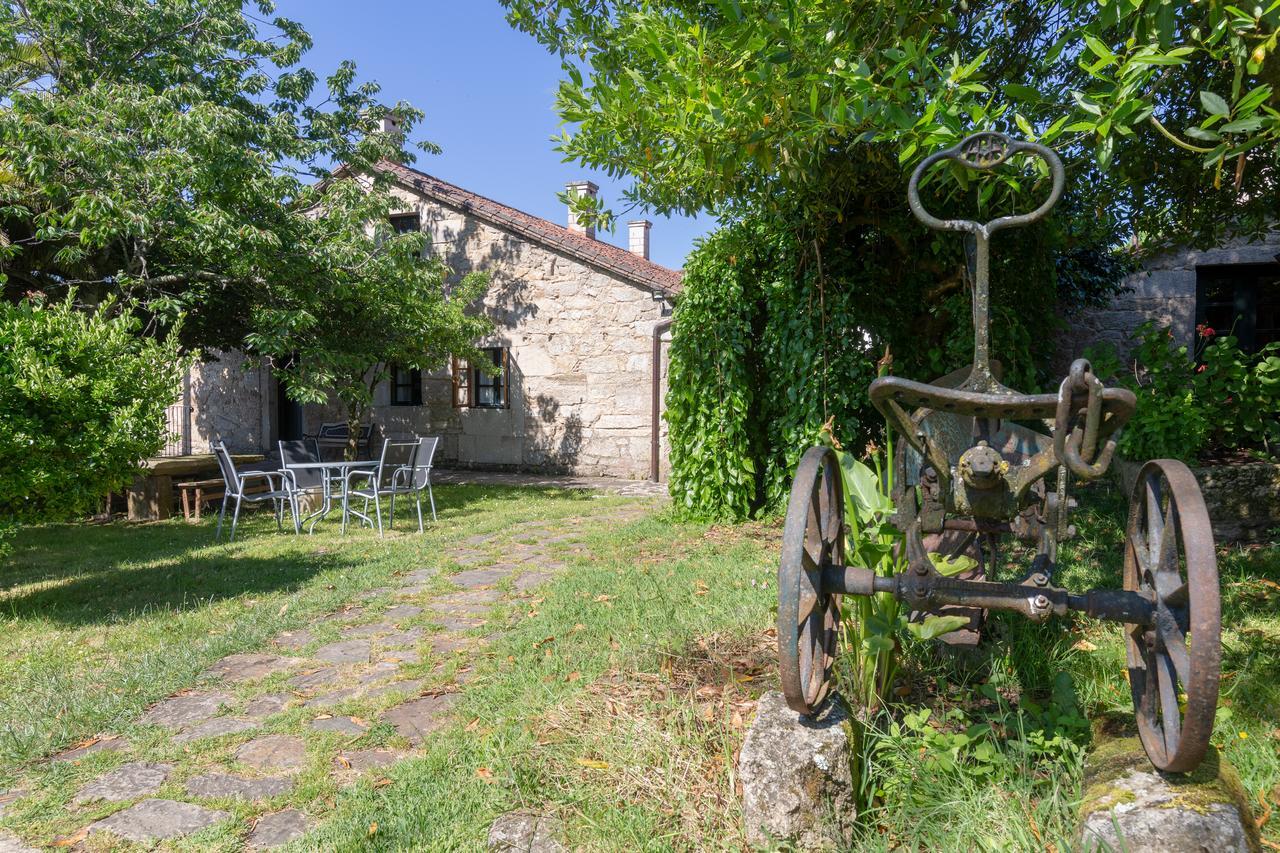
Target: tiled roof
[{"x": 596, "y": 253}]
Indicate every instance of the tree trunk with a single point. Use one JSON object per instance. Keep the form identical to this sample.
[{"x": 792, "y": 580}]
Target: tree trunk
[{"x": 355, "y": 413}]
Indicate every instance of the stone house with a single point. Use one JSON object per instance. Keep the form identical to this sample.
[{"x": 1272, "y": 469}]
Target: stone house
[
  {"x": 1235, "y": 286},
  {"x": 579, "y": 340}
]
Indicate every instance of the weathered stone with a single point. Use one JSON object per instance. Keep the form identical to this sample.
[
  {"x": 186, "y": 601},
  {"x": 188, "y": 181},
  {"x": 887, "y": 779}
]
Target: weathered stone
[
  {"x": 410, "y": 686},
  {"x": 1243, "y": 500},
  {"x": 402, "y": 611},
  {"x": 273, "y": 752},
  {"x": 418, "y": 718},
  {"x": 294, "y": 639},
  {"x": 187, "y": 709},
  {"x": 443, "y": 645},
  {"x": 521, "y": 832},
  {"x": 480, "y": 577},
  {"x": 371, "y": 629},
  {"x": 217, "y": 727},
  {"x": 796, "y": 782},
  {"x": 153, "y": 820},
  {"x": 105, "y": 744},
  {"x": 379, "y": 592},
  {"x": 419, "y": 576},
  {"x": 346, "y": 614},
  {"x": 457, "y": 623},
  {"x": 401, "y": 656},
  {"x": 1128, "y": 805},
  {"x": 277, "y": 829},
  {"x": 401, "y": 639},
  {"x": 381, "y": 670},
  {"x": 344, "y": 725},
  {"x": 364, "y": 760},
  {"x": 529, "y": 580},
  {"x": 266, "y": 705},
  {"x": 250, "y": 667},
  {"x": 8, "y": 798},
  {"x": 10, "y": 843},
  {"x": 347, "y": 651},
  {"x": 214, "y": 785},
  {"x": 126, "y": 782},
  {"x": 314, "y": 678},
  {"x": 328, "y": 700}
]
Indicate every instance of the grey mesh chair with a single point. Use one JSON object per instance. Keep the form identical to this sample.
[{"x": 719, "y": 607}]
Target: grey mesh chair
[
  {"x": 304, "y": 482},
  {"x": 393, "y": 476},
  {"x": 234, "y": 490}
]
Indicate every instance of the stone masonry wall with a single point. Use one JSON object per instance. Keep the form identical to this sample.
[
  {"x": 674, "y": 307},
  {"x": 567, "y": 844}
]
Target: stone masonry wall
[
  {"x": 1164, "y": 291},
  {"x": 580, "y": 349},
  {"x": 229, "y": 403}
]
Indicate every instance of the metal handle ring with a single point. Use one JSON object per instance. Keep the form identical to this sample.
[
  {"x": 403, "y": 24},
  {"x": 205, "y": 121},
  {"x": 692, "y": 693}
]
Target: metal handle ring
[{"x": 983, "y": 151}]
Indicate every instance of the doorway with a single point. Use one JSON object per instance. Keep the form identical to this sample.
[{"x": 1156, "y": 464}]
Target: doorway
[{"x": 288, "y": 414}]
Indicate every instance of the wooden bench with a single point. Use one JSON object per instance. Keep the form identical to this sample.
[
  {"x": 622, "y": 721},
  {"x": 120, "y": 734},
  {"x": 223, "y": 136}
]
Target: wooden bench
[
  {"x": 334, "y": 436},
  {"x": 196, "y": 492}
]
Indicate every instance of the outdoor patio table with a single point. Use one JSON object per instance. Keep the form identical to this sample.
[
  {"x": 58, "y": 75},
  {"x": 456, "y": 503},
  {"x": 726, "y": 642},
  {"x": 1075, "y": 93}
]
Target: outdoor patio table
[{"x": 329, "y": 468}]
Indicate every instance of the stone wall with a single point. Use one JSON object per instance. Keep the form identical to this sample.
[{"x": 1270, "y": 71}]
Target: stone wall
[
  {"x": 231, "y": 404},
  {"x": 580, "y": 350},
  {"x": 1164, "y": 291},
  {"x": 1243, "y": 500}
]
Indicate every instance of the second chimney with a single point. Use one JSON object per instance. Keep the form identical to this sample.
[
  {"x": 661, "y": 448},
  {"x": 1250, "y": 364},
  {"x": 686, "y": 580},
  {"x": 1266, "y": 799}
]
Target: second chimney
[
  {"x": 638, "y": 237},
  {"x": 577, "y": 189}
]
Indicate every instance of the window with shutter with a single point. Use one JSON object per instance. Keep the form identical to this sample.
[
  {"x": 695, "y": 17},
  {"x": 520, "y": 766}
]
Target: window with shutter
[{"x": 461, "y": 384}]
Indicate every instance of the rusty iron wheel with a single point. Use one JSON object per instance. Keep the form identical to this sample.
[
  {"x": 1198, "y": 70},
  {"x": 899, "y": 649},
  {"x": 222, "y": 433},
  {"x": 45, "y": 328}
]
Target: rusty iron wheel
[
  {"x": 808, "y": 617},
  {"x": 1174, "y": 662}
]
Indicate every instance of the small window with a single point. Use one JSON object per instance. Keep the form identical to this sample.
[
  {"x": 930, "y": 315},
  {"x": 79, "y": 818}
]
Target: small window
[
  {"x": 474, "y": 388},
  {"x": 405, "y": 223},
  {"x": 1243, "y": 300},
  {"x": 406, "y": 386}
]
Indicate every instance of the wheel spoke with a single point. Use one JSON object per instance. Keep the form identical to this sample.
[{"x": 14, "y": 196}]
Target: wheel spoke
[
  {"x": 1171, "y": 717},
  {"x": 1177, "y": 597},
  {"x": 1154, "y": 518},
  {"x": 1141, "y": 551},
  {"x": 1167, "y": 545},
  {"x": 1175, "y": 645}
]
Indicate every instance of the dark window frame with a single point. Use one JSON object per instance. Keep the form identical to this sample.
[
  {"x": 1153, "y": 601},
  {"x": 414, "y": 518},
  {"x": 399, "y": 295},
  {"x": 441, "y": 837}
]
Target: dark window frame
[
  {"x": 399, "y": 221},
  {"x": 407, "y": 380},
  {"x": 469, "y": 381},
  {"x": 1228, "y": 298}
]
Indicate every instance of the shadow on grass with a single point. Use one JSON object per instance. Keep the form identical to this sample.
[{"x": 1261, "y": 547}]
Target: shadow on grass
[{"x": 87, "y": 573}]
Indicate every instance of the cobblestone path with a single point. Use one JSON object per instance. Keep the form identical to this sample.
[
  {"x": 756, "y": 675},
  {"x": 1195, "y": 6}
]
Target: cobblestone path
[{"x": 346, "y": 696}]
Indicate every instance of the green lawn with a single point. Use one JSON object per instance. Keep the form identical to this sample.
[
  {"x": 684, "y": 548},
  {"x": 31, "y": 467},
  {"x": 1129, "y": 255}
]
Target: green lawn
[{"x": 614, "y": 696}]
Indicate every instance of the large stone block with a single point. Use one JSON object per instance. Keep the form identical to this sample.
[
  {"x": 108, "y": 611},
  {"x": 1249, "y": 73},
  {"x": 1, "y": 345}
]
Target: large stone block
[{"x": 796, "y": 781}]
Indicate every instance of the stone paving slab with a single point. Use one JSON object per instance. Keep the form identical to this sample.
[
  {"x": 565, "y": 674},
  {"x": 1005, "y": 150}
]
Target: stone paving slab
[
  {"x": 346, "y": 614},
  {"x": 400, "y": 639},
  {"x": 126, "y": 782},
  {"x": 364, "y": 760},
  {"x": 266, "y": 705},
  {"x": 105, "y": 744},
  {"x": 529, "y": 580},
  {"x": 445, "y": 645},
  {"x": 457, "y": 623},
  {"x": 418, "y": 718},
  {"x": 273, "y": 752},
  {"x": 401, "y": 611},
  {"x": 217, "y": 727},
  {"x": 215, "y": 785},
  {"x": 344, "y": 725},
  {"x": 294, "y": 639},
  {"x": 10, "y": 843},
  {"x": 522, "y": 832},
  {"x": 8, "y": 798},
  {"x": 275, "y": 830},
  {"x": 155, "y": 820},
  {"x": 420, "y": 575},
  {"x": 250, "y": 667},
  {"x": 380, "y": 671},
  {"x": 347, "y": 651},
  {"x": 401, "y": 656},
  {"x": 314, "y": 678},
  {"x": 371, "y": 629},
  {"x": 472, "y": 578},
  {"x": 187, "y": 709},
  {"x": 334, "y": 697}
]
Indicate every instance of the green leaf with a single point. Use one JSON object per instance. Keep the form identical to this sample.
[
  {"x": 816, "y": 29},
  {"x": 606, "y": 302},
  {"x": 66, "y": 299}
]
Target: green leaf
[
  {"x": 1215, "y": 104},
  {"x": 953, "y": 565},
  {"x": 936, "y": 626}
]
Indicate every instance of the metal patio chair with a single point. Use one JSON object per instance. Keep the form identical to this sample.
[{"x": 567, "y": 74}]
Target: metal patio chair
[
  {"x": 304, "y": 482},
  {"x": 395, "y": 475},
  {"x": 235, "y": 491},
  {"x": 421, "y": 477}
]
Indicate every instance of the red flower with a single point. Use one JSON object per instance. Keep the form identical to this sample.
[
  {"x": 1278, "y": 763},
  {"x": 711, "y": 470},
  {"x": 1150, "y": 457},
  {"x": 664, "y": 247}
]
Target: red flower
[
  {"x": 1205, "y": 330},
  {"x": 1200, "y": 369}
]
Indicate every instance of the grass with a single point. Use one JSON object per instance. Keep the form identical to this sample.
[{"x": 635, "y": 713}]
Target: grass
[{"x": 615, "y": 697}]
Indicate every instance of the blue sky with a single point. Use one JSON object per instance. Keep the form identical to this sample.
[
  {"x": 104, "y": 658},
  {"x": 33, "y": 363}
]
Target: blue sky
[{"x": 488, "y": 93}]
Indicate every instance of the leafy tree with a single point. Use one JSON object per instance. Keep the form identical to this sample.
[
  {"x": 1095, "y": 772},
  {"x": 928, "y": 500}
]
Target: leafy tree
[{"x": 82, "y": 399}]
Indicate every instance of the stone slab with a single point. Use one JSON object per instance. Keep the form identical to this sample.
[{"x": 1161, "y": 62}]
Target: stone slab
[
  {"x": 275, "y": 830},
  {"x": 796, "y": 784},
  {"x": 401, "y": 611},
  {"x": 10, "y": 843},
  {"x": 419, "y": 576},
  {"x": 380, "y": 671},
  {"x": 273, "y": 752},
  {"x": 418, "y": 718},
  {"x": 451, "y": 622},
  {"x": 1128, "y": 805},
  {"x": 8, "y": 798},
  {"x": 217, "y": 727},
  {"x": 343, "y": 725},
  {"x": 444, "y": 645},
  {"x": 250, "y": 667},
  {"x": 126, "y": 782},
  {"x": 328, "y": 700},
  {"x": 106, "y": 744},
  {"x": 216, "y": 785},
  {"x": 294, "y": 639},
  {"x": 472, "y": 578},
  {"x": 264, "y": 706},
  {"x": 400, "y": 656},
  {"x": 187, "y": 709},
  {"x": 523, "y": 832},
  {"x": 155, "y": 820},
  {"x": 314, "y": 678},
  {"x": 346, "y": 614},
  {"x": 530, "y": 580},
  {"x": 347, "y": 651},
  {"x": 401, "y": 639},
  {"x": 364, "y": 760},
  {"x": 367, "y": 630}
]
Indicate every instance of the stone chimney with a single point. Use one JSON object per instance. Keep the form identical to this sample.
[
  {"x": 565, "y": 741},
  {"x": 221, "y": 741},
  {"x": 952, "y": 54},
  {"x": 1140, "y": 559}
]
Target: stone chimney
[
  {"x": 577, "y": 189},
  {"x": 638, "y": 237},
  {"x": 389, "y": 124}
]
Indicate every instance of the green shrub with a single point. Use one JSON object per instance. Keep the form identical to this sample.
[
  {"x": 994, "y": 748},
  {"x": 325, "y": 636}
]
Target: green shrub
[
  {"x": 82, "y": 400},
  {"x": 1214, "y": 401}
]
